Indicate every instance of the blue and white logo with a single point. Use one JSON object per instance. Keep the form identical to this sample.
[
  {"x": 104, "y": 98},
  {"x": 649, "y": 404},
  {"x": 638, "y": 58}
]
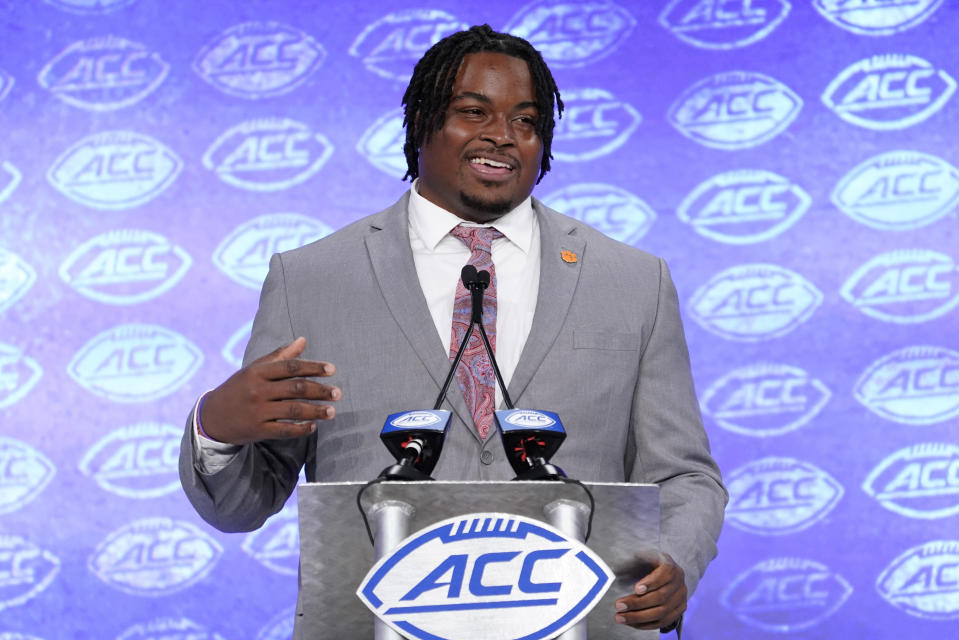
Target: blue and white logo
[
  {"x": 594, "y": 124},
  {"x": 10, "y": 177},
  {"x": 19, "y": 373},
  {"x": 169, "y": 629},
  {"x": 269, "y": 154},
  {"x": 876, "y": 17},
  {"x": 114, "y": 170},
  {"x": 905, "y": 286},
  {"x": 721, "y": 24},
  {"x": 572, "y": 33},
  {"x": 920, "y": 481},
  {"x": 245, "y": 254},
  {"x": 786, "y": 594},
  {"x": 382, "y": 144},
  {"x": 6, "y": 82},
  {"x": 417, "y": 419},
  {"x": 391, "y": 46},
  {"x": 898, "y": 190},
  {"x": 914, "y": 385},
  {"x": 613, "y": 211},
  {"x": 776, "y": 496},
  {"x": 764, "y": 400},
  {"x": 90, "y": 6},
  {"x": 232, "y": 351},
  {"x": 753, "y": 302},
  {"x": 16, "y": 278},
  {"x": 24, "y": 473},
  {"x": 25, "y": 570},
  {"x": 735, "y": 110},
  {"x": 529, "y": 419},
  {"x": 744, "y": 206},
  {"x": 276, "y": 545},
  {"x": 448, "y": 579},
  {"x": 102, "y": 74},
  {"x": 922, "y": 581},
  {"x": 136, "y": 461},
  {"x": 135, "y": 363},
  {"x": 889, "y": 92},
  {"x": 154, "y": 557},
  {"x": 279, "y": 627},
  {"x": 256, "y": 60},
  {"x": 125, "y": 266}
]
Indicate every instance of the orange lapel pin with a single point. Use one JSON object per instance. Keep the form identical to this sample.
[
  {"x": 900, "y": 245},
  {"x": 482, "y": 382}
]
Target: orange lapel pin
[{"x": 568, "y": 256}]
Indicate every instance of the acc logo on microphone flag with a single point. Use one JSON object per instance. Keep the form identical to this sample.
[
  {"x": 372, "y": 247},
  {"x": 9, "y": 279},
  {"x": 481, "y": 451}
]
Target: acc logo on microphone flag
[
  {"x": 24, "y": 473},
  {"x": 744, "y": 206},
  {"x": 764, "y": 400},
  {"x": 9, "y": 178},
  {"x": 101, "y": 74},
  {"x": 528, "y": 419},
  {"x": 594, "y": 124},
  {"x": 114, "y": 170},
  {"x": 391, "y": 46},
  {"x": 19, "y": 373},
  {"x": 25, "y": 570},
  {"x": 905, "y": 286},
  {"x": 786, "y": 594},
  {"x": 135, "y": 363},
  {"x": 735, "y": 110},
  {"x": 871, "y": 18},
  {"x": 922, "y": 581},
  {"x": 417, "y": 419},
  {"x": 256, "y": 60},
  {"x": 753, "y": 302},
  {"x": 125, "y": 266},
  {"x": 718, "y": 24},
  {"x": 90, "y": 6},
  {"x": 169, "y": 629},
  {"x": 244, "y": 255},
  {"x": 615, "y": 212},
  {"x": 920, "y": 481},
  {"x": 511, "y": 576},
  {"x": 276, "y": 545},
  {"x": 382, "y": 144},
  {"x": 16, "y": 278},
  {"x": 136, "y": 461},
  {"x": 913, "y": 385},
  {"x": 898, "y": 190},
  {"x": 268, "y": 154}
]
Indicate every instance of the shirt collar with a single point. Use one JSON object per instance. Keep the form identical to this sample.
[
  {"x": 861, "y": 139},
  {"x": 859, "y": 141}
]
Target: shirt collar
[{"x": 432, "y": 223}]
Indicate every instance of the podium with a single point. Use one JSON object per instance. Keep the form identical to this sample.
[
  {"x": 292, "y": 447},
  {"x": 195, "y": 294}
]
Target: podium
[{"x": 336, "y": 554}]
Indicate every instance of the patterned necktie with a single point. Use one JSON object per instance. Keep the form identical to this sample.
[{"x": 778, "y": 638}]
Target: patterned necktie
[{"x": 475, "y": 371}]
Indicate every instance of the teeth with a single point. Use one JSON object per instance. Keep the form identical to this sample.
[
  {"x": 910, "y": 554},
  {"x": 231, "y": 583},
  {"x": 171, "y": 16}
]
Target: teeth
[{"x": 490, "y": 163}]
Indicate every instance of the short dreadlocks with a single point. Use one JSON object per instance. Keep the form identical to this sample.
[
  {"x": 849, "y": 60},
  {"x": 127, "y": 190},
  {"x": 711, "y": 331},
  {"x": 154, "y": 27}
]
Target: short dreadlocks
[{"x": 428, "y": 95}]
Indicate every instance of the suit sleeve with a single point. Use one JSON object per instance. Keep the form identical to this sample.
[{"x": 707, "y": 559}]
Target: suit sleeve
[
  {"x": 257, "y": 482},
  {"x": 671, "y": 448}
]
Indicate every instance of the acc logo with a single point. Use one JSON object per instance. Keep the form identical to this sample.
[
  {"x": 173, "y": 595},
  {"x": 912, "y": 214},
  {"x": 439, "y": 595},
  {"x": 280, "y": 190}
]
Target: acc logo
[
  {"x": 786, "y": 594},
  {"x": 608, "y": 209},
  {"x": 924, "y": 581},
  {"x": 232, "y": 351},
  {"x": 774, "y": 496},
  {"x": 90, "y": 6},
  {"x": 267, "y": 155},
  {"x": 720, "y": 24},
  {"x": 735, "y": 110},
  {"x": 905, "y": 286},
  {"x": 382, "y": 144},
  {"x": 754, "y": 302},
  {"x": 6, "y": 82},
  {"x": 244, "y": 255},
  {"x": 876, "y": 17},
  {"x": 529, "y": 419},
  {"x": 595, "y": 124},
  {"x": 135, "y": 363},
  {"x": 18, "y": 374},
  {"x": 392, "y": 45},
  {"x": 276, "y": 545},
  {"x": 280, "y": 626},
  {"x": 915, "y": 385},
  {"x": 169, "y": 629},
  {"x": 740, "y": 207},
  {"x": 573, "y": 34},
  {"x": 413, "y": 419},
  {"x": 445, "y": 580},
  {"x": 888, "y": 92},
  {"x": 764, "y": 400},
  {"x": 136, "y": 461},
  {"x": 16, "y": 278},
  {"x": 898, "y": 190},
  {"x": 125, "y": 266},
  {"x": 921, "y": 481},
  {"x": 101, "y": 74},
  {"x": 259, "y": 60},
  {"x": 154, "y": 557},
  {"x": 25, "y": 570},
  {"x": 24, "y": 473},
  {"x": 9, "y": 178},
  {"x": 114, "y": 170}
]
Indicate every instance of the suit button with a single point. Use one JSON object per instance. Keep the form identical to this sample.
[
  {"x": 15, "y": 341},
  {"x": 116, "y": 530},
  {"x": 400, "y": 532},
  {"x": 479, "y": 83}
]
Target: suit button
[{"x": 486, "y": 457}]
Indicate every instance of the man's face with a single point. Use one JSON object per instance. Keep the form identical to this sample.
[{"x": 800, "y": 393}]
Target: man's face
[{"x": 485, "y": 159}]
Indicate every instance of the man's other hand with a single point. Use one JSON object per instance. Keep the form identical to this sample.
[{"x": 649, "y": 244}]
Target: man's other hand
[{"x": 658, "y": 600}]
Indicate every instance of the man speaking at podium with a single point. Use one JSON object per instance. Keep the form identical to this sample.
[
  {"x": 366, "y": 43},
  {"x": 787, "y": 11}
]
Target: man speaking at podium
[{"x": 363, "y": 323}]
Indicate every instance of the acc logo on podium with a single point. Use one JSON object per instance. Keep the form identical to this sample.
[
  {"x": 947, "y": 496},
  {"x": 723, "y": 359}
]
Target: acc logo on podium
[
  {"x": 391, "y": 46},
  {"x": 512, "y": 576},
  {"x": 615, "y": 212},
  {"x": 923, "y": 581},
  {"x": 720, "y": 24},
  {"x": 921, "y": 481}
]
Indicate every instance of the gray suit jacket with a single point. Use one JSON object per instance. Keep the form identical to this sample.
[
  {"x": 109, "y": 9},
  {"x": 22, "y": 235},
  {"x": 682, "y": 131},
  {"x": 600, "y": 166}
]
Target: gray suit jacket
[{"x": 606, "y": 352}]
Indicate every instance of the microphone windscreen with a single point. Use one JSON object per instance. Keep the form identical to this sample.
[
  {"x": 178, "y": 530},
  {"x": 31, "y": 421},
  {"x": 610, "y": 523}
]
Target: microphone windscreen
[
  {"x": 484, "y": 277},
  {"x": 468, "y": 275}
]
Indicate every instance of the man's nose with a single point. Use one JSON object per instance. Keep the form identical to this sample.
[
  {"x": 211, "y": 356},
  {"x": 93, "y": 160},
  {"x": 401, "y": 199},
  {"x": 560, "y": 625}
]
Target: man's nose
[{"x": 498, "y": 131}]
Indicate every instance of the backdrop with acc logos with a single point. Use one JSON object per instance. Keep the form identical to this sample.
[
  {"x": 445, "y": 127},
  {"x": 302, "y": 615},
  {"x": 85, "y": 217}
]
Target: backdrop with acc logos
[{"x": 793, "y": 160}]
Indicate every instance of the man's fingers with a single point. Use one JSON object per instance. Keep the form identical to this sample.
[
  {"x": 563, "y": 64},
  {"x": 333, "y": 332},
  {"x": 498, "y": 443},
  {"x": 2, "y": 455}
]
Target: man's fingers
[
  {"x": 285, "y": 352},
  {"x": 661, "y": 575},
  {"x": 301, "y": 388},
  {"x": 289, "y": 429},
  {"x": 283, "y": 369},
  {"x": 291, "y": 410}
]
